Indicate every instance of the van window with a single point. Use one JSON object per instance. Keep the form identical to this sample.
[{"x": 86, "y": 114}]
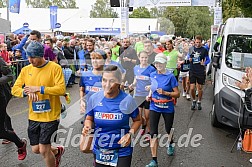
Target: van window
[{"x": 239, "y": 52}]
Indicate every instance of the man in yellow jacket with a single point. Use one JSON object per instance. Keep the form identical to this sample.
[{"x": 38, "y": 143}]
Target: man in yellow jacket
[{"x": 44, "y": 84}]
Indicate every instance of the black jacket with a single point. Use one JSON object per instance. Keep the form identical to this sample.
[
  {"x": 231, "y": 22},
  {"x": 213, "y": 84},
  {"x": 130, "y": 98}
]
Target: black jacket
[{"x": 5, "y": 77}]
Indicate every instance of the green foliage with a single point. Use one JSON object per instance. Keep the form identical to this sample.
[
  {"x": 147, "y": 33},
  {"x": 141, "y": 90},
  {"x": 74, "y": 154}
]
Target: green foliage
[
  {"x": 102, "y": 9},
  {"x": 245, "y": 6},
  {"x": 190, "y": 21},
  {"x": 230, "y": 9},
  {"x": 140, "y": 12},
  {"x": 3, "y": 4},
  {"x": 48, "y": 3}
]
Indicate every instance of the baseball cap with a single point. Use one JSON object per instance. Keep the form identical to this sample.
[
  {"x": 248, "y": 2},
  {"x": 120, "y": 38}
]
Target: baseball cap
[
  {"x": 101, "y": 52},
  {"x": 35, "y": 49},
  {"x": 160, "y": 58}
]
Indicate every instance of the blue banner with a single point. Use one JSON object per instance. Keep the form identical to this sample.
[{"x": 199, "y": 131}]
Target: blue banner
[
  {"x": 53, "y": 16},
  {"x": 14, "y": 6}
]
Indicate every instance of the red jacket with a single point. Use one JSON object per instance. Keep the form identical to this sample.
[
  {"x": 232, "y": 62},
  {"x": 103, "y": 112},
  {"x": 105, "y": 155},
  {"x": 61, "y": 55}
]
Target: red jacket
[{"x": 5, "y": 56}]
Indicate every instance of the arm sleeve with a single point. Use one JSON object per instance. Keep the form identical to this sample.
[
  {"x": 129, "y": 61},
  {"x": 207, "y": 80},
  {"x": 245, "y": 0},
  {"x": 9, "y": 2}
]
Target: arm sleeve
[
  {"x": 59, "y": 87},
  {"x": 174, "y": 82},
  {"x": 90, "y": 111},
  {"x": 133, "y": 107},
  {"x": 5, "y": 70},
  {"x": 21, "y": 45},
  {"x": 216, "y": 45},
  {"x": 17, "y": 89},
  {"x": 207, "y": 58}
]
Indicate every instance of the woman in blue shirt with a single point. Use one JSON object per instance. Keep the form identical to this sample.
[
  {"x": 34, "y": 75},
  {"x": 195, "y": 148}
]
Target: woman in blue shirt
[
  {"x": 140, "y": 82},
  {"x": 110, "y": 110},
  {"x": 90, "y": 81},
  {"x": 164, "y": 87}
]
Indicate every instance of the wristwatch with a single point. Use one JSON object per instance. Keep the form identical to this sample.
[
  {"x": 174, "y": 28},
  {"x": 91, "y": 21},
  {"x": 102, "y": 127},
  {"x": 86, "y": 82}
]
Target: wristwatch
[{"x": 131, "y": 134}]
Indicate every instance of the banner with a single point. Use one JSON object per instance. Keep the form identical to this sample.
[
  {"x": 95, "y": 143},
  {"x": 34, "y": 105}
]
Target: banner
[
  {"x": 124, "y": 22},
  {"x": 147, "y": 3},
  {"x": 151, "y": 3},
  {"x": 217, "y": 15},
  {"x": 14, "y": 6},
  {"x": 203, "y": 3},
  {"x": 53, "y": 16}
]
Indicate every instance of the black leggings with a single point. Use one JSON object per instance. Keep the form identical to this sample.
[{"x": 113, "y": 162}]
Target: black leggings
[
  {"x": 122, "y": 162},
  {"x": 7, "y": 122},
  {"x": 6, "y": 134},
  {"x": 154, "y": 121}
]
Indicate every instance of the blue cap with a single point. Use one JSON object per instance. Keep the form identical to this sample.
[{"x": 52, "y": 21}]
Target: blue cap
[
  {"x": 101, "y": 52},
  {"x": 35, "y": 49}
]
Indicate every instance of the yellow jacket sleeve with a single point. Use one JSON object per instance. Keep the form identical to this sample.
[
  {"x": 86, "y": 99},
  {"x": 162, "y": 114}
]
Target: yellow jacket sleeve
[
  {"x": 60, "y": 88},
  {"x": 17, "y": 89}
]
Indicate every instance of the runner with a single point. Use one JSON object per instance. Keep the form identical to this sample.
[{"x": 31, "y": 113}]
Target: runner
[
  {"x": 172, "y": 58},
  {"x": 184, "y": 72},
  {"x": 90, "y": 81},
  {"x": 44, "y": 101},
  {"x": 140, "y": 82},
  {"x": 164, "y": 87},
  {"x": 5, "y": 77},
  {"x": 128, "y": 59},
  {"x": 109, "y": 61},
  {"x": 111, "y": 110},
  {"x": 197, "y": 72}
]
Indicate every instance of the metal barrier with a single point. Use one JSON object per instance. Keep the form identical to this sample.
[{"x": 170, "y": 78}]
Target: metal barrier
[{"x": 16, "y": 67}]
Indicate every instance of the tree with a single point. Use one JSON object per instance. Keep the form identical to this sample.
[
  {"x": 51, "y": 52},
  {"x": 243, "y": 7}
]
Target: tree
[
  {"x": 245, "y": 7},
  {"x": 199, "y": 22},
  {"x": 3, "y": 4},
  {"x": 157, "y": 12},
  {"x": 102, "y": 9},
  {"x": 140, "y": 12},
  {"x": 48, "y": 3},
  {"x": 230, "y": 9}
]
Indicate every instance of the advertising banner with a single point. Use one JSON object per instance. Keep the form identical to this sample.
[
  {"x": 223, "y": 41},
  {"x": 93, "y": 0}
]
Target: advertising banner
[
  {"x": 14, "y": 6},
  {"x": 53, "y": 16}
]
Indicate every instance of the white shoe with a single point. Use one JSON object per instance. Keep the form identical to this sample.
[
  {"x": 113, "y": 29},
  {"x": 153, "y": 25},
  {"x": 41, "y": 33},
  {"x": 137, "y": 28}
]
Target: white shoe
[
  {"x": 188, "y": 97},
  {"x": 184, "y": 94}
]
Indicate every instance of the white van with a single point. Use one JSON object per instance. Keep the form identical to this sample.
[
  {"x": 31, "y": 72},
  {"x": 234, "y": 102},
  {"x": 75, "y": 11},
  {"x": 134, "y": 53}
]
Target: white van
[{"x": 230, "y": 106}]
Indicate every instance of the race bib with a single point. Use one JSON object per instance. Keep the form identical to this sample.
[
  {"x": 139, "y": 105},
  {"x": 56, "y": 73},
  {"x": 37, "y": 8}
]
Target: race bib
[
  {"x": 196, "y": 60},
  {"x": 41, "y": 106},
  {"x": 185, "y": 67},
  {"x": 161, "y": 105},
  {"x": 107, "y": 157},
  {"x": 161, "y": 102}
]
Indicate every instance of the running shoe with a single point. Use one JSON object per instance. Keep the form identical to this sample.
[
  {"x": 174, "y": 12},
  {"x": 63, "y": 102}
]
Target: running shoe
[
  {"x": 170, "y": 149},
  {"x": 68, "y": 98},
  {"x": 58, "y": 156},
  {"x": 199, "y": 105},
  {"x": 152, "y": 164},
  {"x": 22, "y": 151},
  {"x": 143, "y": 130},
  {"x": 184, "y": 94},
  {"x": 193, "y": 107},
  {"x": 188, "y": 97}
]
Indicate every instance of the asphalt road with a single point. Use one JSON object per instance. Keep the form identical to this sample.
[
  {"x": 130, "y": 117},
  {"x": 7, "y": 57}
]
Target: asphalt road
[{"x": 212, "y": 147}]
